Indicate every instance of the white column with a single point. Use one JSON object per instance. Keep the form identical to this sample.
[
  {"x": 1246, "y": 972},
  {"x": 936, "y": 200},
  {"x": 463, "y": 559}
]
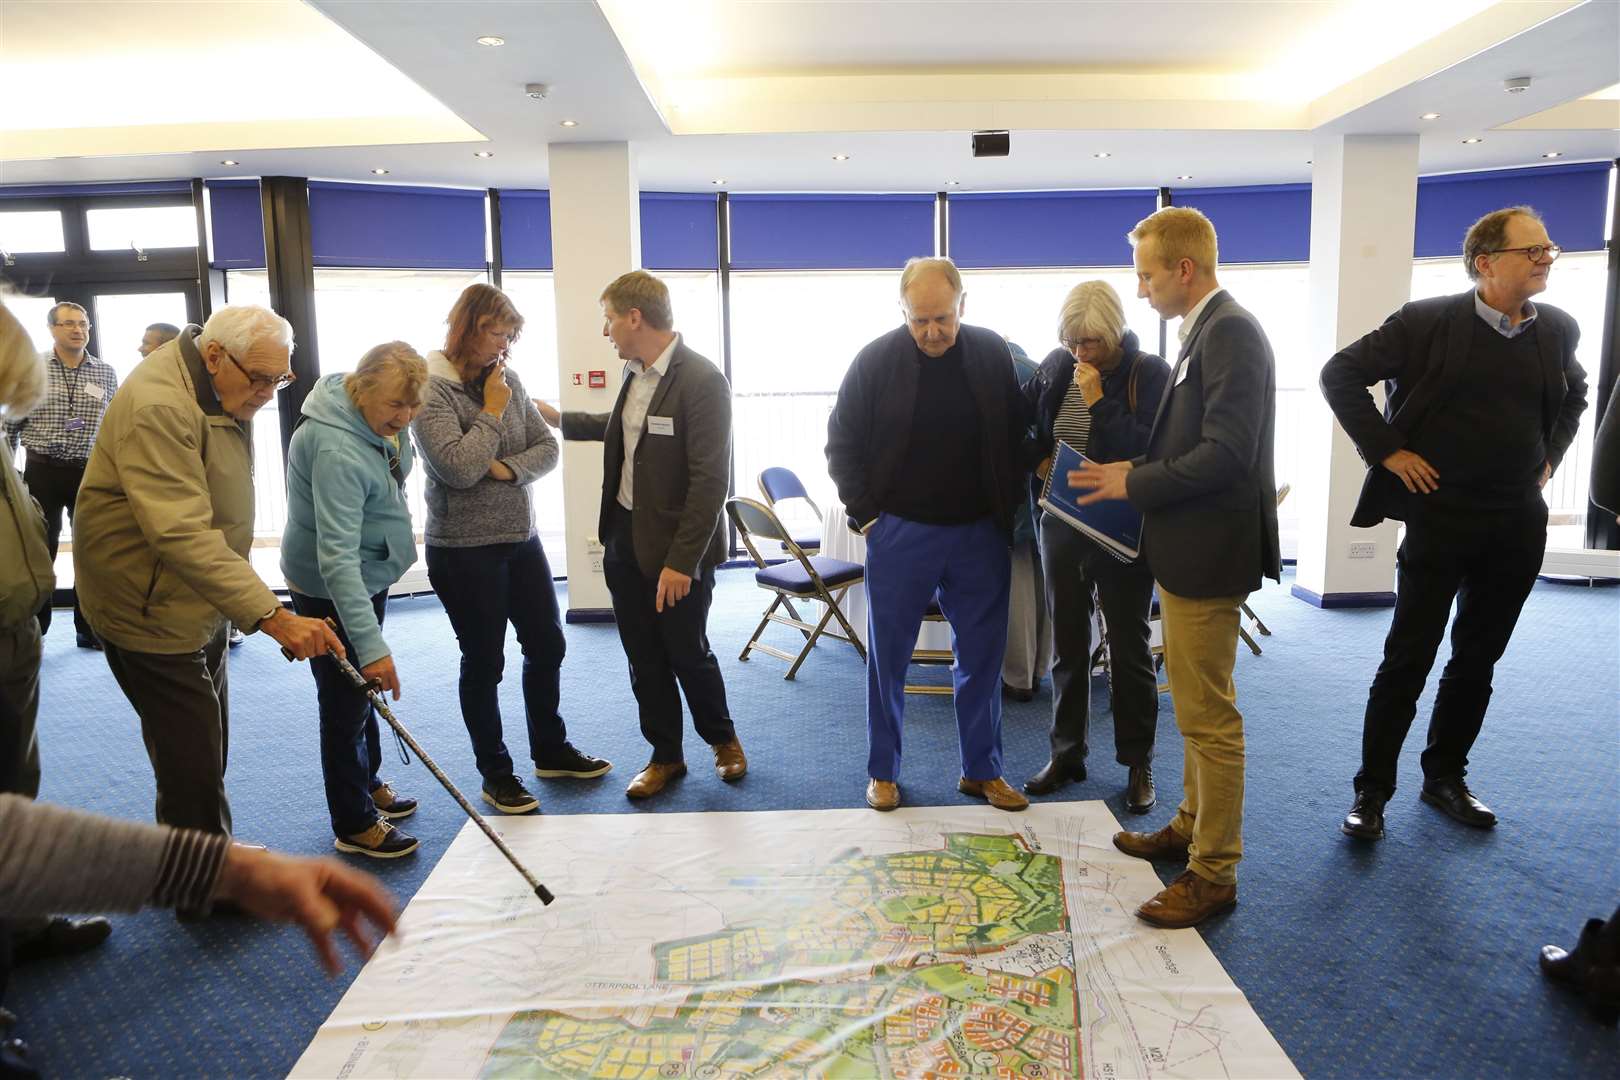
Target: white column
[
  {"x": 595, "y": 237},
  {"x": 1363, "y": 209}
]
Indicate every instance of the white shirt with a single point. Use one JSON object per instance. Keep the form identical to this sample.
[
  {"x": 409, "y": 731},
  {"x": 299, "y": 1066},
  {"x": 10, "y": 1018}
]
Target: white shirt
[
  {"x": 1190, "y": 320},
  {"x": 643, "y": 384}
]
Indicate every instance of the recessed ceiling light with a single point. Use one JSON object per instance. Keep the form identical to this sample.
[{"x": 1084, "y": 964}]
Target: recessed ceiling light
[
  {"x": 840, "y": 157},
  {"x": 1102, "y": 154},
  {"x": 954, "y": 183},
  {"x": 720, "y": 180},
  {"x": 1553, "y": 153},
  {"x": 1185, "y": 176},
  {"x": 379, "y": 172},
  {"x": 1430, "y": 116},
  {"x": 228, "y": 161},
  {"x": 1471, "y": 142},
  {"x": 492, "y": 41},
  {"x": 569, "y": 123},
  {"x": 483, "y": 153}
]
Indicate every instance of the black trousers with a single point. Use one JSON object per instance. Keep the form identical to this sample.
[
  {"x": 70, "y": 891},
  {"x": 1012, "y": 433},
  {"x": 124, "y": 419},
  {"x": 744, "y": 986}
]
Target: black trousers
[
  {"x": 56, "y": 485},
  {"x": 665, "y": 649},
  {"x": 1487, "y": 562},
  {"x": 1072, "y": 566},
  {"x": 184, "y": 706}
]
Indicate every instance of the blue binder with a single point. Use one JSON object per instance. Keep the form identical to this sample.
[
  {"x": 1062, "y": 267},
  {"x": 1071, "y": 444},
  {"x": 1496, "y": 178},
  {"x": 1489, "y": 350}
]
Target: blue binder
[{"x": 1114, "y": 524}]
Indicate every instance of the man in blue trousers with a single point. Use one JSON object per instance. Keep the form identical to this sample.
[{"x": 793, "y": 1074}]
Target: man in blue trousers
[{"x": 929, "y": 443}]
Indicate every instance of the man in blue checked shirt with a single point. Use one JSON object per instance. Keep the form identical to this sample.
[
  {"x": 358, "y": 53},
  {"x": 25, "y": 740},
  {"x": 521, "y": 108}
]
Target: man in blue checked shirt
[{"x": 58, "y": 434}]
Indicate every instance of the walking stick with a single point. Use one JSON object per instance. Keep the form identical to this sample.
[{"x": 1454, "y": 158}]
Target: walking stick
[{"x": 360, "y": 683}]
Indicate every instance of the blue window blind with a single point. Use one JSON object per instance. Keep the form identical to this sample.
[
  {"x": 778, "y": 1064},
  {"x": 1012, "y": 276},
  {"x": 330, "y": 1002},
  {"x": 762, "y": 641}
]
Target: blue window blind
[
  {"x": 1570, "y": 198},
  {"x": 236, "y": 217},
  {"x": 829, "y": 232},
  {"x": 71, "y": 191},
  {"x": 1047, "y": 228},
  {"x": 679, "y": 231},
  {"x": 1261, "y": 224},
  {"x": 416, "y": 228},
  {"x": 526, "y": 230}
]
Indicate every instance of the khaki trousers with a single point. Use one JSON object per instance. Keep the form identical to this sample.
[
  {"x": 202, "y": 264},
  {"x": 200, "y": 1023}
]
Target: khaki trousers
[{"x": 1200, "y": 648}]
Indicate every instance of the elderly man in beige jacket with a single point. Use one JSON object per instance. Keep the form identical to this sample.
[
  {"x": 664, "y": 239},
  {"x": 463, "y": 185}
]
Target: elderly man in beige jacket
[{"x": 160, "y": 546}]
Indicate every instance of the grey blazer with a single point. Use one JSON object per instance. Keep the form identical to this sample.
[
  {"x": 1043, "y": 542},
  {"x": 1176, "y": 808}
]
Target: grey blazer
[
  {"x": 680, "y": 481},
  {"x": 1207, "y": 487}
]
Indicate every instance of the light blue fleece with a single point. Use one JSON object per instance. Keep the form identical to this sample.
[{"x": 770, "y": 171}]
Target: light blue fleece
[{"x": 348, "y": 531}]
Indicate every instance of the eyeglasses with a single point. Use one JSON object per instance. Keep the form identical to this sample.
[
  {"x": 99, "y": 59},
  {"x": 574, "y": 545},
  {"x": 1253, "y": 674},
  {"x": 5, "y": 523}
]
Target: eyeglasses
[
  {"x": 72, "y": 324},
  {"x": 264, "y": 382},
  {"x": 1535, "y": 252},
  {"x": 1081, "y": 343}
]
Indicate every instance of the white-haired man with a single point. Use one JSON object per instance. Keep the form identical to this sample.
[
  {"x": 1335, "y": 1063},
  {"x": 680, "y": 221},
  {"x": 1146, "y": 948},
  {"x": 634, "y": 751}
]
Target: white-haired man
[{"x": 165, "y": 522}]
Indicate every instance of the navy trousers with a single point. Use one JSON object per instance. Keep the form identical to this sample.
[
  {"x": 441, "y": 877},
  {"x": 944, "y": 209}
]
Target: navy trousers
[{"x": 969, "y": 567}]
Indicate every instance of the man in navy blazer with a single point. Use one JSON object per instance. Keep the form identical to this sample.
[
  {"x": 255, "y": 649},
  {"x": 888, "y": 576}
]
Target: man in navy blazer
[
  {"x": 1208, "y": 498},
  {"x": 1484, "y": 396}
]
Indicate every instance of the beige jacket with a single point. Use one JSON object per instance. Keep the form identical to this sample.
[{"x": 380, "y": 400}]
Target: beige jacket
[{"x": 164, "y": 520}]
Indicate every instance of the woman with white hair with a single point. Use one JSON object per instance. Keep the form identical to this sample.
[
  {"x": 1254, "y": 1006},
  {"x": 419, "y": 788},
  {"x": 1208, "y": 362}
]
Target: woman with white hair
[
  {"x": 348, "y": 539},
  {"x": 1098, "y": 393}
]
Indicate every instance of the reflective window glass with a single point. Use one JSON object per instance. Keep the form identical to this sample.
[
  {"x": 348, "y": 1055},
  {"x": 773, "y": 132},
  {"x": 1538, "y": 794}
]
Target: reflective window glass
[
  {"x": 28, "y": 231},
  {"x": 143, "y": 227}
]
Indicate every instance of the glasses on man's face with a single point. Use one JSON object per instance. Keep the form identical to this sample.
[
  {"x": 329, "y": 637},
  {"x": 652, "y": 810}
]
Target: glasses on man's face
[
  {"x": 263, "y": 382},
  {"x": 1535, "y": 252},
  {"x": 74, "y": 324}
]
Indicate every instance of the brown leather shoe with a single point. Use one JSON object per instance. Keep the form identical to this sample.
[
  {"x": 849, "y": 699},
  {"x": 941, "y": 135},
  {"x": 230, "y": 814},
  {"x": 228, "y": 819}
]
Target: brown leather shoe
[
  {"x": 882, "y": 794},
  {"x": 1164, "y": 844},
  {"x": 729, "y": 762},
  {"x": 998, "y": 793},
  {"x": 652, "y": 779},
  {"x": 1188, "y": 901}
]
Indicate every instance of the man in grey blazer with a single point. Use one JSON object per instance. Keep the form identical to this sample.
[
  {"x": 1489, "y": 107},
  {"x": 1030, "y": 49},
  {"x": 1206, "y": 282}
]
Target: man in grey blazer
[
  {"x": 1208, "y": 498},
  {"x": 662, "y": 523}
]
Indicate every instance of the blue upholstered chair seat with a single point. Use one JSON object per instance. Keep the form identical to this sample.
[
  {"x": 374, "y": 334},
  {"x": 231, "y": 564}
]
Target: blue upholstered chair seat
[
  {"x": 792, "y": 576},
  {"x": 810, "y": 542}
]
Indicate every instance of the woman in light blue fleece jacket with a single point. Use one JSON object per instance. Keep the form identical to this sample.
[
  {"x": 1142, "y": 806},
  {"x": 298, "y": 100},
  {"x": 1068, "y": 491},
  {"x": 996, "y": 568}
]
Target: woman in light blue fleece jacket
[{"x": 349, "y": 538}]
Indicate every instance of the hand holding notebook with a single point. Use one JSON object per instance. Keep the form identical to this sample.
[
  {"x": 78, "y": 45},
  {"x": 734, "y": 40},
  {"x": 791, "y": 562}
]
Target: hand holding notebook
[{"x": 1112, "y": 523}]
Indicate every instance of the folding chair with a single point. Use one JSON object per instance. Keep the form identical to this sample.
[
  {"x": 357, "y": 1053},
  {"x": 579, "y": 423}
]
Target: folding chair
[
  {"x": 802, "y": 577},
  {"x": 779, "y": 485},
  {"x": 1248, "y": 612},
  {"x": 931, "y": 656}
]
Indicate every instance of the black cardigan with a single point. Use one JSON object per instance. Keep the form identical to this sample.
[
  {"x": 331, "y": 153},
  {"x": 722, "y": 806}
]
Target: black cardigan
[{"x": 1117, "y": 432}]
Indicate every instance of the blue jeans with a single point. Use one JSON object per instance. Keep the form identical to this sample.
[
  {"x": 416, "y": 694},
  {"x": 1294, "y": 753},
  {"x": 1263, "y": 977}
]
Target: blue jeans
[
  {"x": 351, "y": 750},
  {"x": 483, "y": 588}
]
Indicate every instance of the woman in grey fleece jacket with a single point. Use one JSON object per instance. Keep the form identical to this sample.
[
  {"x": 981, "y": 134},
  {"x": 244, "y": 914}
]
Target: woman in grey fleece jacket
[{"x": 482, "y": 445}]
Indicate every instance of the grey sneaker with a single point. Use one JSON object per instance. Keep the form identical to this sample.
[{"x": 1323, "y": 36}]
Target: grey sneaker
[
  {"x": 508, "y": 795},
  {"x": 381, "y": 841}
]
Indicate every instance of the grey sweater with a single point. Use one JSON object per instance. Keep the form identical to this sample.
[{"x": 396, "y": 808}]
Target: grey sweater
[
  {"x": 55, "y": 859},
  {"x": 466, "y": 507}
]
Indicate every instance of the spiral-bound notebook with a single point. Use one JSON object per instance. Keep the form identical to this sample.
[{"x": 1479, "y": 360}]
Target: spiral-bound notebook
[{"x": 1113, "y": 523}]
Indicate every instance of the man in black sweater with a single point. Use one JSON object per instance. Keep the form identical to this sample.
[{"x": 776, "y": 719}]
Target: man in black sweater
[
  {"x": 929, "y": 443},
  {"x": 1484, "y": 395}
]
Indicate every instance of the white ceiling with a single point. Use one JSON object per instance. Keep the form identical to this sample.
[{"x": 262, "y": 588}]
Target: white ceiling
[{"x": 1165, "y": 88}]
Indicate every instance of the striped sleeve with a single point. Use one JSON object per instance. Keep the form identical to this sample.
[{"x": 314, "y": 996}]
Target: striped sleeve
[{"x": 190, "y": 869}]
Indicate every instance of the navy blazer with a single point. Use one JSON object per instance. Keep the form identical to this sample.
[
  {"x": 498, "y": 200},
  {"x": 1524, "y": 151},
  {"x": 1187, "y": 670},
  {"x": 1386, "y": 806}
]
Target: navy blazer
[
  {"x": 1421, "y": 353},
  {"x": 1207, "y": 487}
]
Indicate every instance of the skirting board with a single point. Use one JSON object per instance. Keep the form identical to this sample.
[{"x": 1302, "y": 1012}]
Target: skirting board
[
  {"x": 588, "y": 615},
  {"x": 1344, "y": 599}
]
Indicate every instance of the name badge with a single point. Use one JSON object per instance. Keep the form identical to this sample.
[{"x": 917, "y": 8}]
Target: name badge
[
  {"x": 92, "y": 390},
  {"x": 660, "y": 425},
  {"x": 1181, "y": 374},
  {"x": 74, "y": 423}
]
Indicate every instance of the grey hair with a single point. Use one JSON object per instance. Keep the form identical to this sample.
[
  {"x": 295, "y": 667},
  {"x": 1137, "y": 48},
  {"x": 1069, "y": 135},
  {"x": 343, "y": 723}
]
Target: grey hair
[
  {"x": 921, "y": 265},
  {"x": 1092, "y": 310},
  {"x": 238, "y": 327},
  {"x": 394, "y": 359},
  {"x": 22, "y": 369},
  {"x": 50, "y": 316}
]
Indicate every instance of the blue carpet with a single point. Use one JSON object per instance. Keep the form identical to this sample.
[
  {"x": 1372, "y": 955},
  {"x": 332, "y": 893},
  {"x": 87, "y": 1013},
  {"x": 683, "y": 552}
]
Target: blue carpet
[{"x": 1412, "y": 957}]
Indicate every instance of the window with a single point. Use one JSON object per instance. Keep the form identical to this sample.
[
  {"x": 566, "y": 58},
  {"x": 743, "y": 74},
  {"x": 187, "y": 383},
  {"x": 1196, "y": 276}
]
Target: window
[
  {"x": 34, "y": 313},
  {"x": 122, "y": 319},
  {"x": 122, "y": 228},
  {"x": 1024, "y": 305},
  {"x": 534, "y": 358},
  {"x": 1576, "y": 285},
  {"x": 30, "y": 231}
]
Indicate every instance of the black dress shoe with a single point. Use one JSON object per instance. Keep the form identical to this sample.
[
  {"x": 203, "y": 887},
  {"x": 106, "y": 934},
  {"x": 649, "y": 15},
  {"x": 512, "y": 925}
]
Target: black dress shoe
[
  {"x": 1139, "y": 793},
  {"x": 1571, "y": 967},
  {"x": 61, "y": 936},
  {"x": 1053, "y": 776},
  {"x": 87, "y": 641},
  {"x": 1366, "y": 816},
  {"x": 1016, "y": 693},
  {"x": 1453, "y": 797}
]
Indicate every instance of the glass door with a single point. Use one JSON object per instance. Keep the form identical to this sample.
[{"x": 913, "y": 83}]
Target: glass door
[{"x": 121, "y": 314}]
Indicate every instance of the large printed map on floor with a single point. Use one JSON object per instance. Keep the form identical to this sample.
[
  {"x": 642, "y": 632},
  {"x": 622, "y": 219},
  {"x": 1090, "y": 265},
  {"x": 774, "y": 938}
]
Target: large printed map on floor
[{"x": 930, "y": 942}]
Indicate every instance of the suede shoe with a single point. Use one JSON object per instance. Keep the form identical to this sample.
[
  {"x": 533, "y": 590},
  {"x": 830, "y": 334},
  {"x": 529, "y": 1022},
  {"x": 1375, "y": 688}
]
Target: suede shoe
[
  {"x": 1454, "y": 799},
  {"x": 508, "y": 795},
  {"x": 570, "y": 762},
  {"x": 1053, "y": 776},
  {"x": 1188, "y": 901},
  {"x": 653, "y": 778},
  {"x": 1366, "y": 817},
  {"x": 390, "y": 803},
  {"x": 381, "y": 841},
  {"x": 998, "y": 793},
  {"x": 1139, "y": 793},
  {"x": 60, "y": 936},
  {"x": 1164, "y": 844},
  {"x": 882, "y": 794},
  {"x": 729, "y": 762}
]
